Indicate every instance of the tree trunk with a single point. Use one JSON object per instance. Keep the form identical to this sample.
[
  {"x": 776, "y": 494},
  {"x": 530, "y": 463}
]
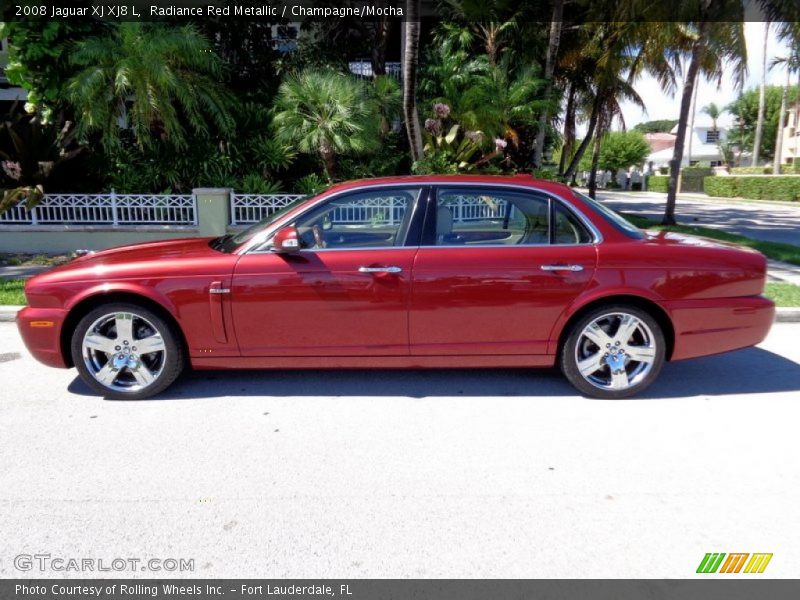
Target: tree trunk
[
  {"x": 596, "y": 159},
  {"x": 761, "y": 101},
  {"x": 328, "y": 160},
  {"x": 410, "y": 61},
  {"x": 569, "y": 130},
  {"x": 686, "y": 101},
  {"x": 549, "y": 68},
  {"x": 573, "y": 165},
  {"x": 378, "y": 57},
  {"x": 776, "y": 163}
]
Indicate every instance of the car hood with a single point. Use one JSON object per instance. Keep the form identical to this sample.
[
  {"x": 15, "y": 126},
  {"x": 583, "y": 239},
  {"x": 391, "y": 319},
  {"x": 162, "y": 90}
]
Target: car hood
[{"x": 140, "y": 260}]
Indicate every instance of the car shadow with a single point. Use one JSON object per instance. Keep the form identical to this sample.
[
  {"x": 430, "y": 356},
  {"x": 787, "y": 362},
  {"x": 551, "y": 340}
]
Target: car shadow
[{"x": 749, "y": 371}]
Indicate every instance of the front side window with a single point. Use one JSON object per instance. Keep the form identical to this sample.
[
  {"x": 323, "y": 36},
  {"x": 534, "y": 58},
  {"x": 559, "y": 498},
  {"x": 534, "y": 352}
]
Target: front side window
[
  {"x": 491, "y": 218},
  {"x": 372, "y": 219}
]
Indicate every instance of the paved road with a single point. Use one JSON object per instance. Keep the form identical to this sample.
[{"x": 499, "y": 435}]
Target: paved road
[
  {"x": 408, "y": 474},
  {"x": 768, "y": 221}
]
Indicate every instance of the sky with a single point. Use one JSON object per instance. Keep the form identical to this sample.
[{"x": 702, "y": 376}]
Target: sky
[{"x": 662, "y": 106}]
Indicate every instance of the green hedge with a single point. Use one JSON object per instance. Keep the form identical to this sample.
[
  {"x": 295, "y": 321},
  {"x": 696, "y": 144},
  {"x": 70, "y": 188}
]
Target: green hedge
[
  {"x": 657, "y": 183},
  {"x": 692, "y": 178},
  {"x": 751, "y": 170},
  {"x": 756, "y": 187}
]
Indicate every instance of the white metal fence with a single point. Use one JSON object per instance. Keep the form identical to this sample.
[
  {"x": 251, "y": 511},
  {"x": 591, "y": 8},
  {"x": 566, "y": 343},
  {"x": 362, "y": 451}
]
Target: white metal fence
[
  {"x": 106, "y": 209},
  {"x": 362, "y": 69},
  {"x": 251, "y": 208}
]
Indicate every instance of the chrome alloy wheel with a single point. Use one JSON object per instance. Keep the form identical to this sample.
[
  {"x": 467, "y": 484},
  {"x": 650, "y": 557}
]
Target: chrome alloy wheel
[
  {"x": 124, "y": 351},
  {"x": 616, "y": 351}
]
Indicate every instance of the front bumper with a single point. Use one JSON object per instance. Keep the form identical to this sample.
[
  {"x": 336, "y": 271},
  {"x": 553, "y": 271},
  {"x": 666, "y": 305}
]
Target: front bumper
[
  {"x": 40, "y": 329},
  {"x": 704, "y": 327}
]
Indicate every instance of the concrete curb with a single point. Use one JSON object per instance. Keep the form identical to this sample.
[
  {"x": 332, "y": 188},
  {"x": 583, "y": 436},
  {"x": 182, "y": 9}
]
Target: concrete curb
[{"x": 782, "y": 315}]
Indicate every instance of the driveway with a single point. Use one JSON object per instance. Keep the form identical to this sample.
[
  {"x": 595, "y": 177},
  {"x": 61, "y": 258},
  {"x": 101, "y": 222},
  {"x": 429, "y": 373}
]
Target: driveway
[
  {"x": 496, "y": 473},
  {"x": 768, "y": 221}
]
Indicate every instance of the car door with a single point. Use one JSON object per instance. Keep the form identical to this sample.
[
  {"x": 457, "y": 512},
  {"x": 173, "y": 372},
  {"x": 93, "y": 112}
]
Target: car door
[
  {"x": 345, "y": 293},
  {"x": 495, "y": 270}
]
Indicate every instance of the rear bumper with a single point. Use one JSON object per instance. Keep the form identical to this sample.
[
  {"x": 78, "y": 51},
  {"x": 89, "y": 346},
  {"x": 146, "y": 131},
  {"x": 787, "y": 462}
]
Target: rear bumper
[
  {"x": 40, "y": 329},
  {"x": 704, "y": 327}
]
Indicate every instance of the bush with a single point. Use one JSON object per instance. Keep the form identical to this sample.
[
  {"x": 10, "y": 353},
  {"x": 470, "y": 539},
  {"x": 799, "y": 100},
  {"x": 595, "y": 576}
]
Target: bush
[
  {"x": 720, "y": 186},
  {"x": 657, "y": 183},
  {"x": 756, "y": 187},
  {"x": 751, "y": 170},
  {"x": 692, "y": 178}
]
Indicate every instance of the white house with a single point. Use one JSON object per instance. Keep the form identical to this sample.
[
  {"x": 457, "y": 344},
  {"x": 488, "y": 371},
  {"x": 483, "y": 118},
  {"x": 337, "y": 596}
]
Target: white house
[{"x": 701, "y": 146}]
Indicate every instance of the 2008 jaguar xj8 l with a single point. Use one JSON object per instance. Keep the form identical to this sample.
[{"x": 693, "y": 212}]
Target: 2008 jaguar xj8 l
[{"x": 434, "y": 271}]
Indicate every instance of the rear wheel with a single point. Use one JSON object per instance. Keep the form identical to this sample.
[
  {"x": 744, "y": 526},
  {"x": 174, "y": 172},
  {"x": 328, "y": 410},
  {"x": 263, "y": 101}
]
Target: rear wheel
[
  {"x": 127, "y": 352},
  {"x": 613, "y": 352}
]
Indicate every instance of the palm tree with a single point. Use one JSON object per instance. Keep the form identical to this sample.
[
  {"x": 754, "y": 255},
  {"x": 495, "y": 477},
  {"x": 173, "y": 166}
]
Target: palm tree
[
  {"x": 762, "y": 104},
  {"x": 152, "y": 77},
  {"x": 714, "y": 112},
  {"x": 619, "y": 52},
  {"x": 500, "y": 98},
  {"x": 410, "y": 62},
  {"x": 549, "y": 69},
  {"x": 712, "y": 43},
  {"x": 388, "y": 98},
  {"x": 325, "y": 113}
]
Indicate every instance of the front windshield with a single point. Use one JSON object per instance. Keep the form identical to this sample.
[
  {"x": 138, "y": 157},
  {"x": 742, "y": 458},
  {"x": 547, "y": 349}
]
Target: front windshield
[
  {"x": 230, "y": 242},
  {"x": 617, "y": 220}
]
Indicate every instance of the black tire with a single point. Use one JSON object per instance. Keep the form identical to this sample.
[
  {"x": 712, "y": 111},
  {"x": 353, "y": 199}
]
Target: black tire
[
  {"x": 146, "y": 326},
  {"x": 576, "y": 345}
]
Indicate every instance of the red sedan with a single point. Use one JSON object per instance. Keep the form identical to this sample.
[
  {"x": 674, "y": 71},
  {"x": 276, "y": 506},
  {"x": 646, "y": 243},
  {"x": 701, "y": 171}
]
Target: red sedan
[{"x": 435, "y": 271}]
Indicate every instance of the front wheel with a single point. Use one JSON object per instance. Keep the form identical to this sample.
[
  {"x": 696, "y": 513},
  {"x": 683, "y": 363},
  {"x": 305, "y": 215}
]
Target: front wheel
[
  {"x": 126, "y": 352},
  {"x": 613, "y": 352}
]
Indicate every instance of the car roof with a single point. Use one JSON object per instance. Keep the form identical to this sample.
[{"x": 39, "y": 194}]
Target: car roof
[{"x": 516, "y": 180}]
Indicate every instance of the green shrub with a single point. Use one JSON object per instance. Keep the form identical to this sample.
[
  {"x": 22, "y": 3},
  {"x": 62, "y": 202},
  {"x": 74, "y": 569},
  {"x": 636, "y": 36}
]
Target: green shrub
[
  {"x": 657, "y": 183},
  {"x": 751, "y": 170},
  {"x": 692, "y": 178},
  {"x": 756, "y": 187}
]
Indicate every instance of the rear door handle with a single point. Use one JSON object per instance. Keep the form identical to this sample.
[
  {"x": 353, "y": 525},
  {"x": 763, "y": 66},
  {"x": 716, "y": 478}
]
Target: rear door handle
[
  {"x": 380, "y": 270},
  {"x": 574, "y": 268}
]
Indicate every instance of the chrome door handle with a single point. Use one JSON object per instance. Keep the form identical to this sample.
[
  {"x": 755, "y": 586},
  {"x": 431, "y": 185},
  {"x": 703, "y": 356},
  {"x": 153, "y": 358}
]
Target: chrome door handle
[
  {"x": 574, "y": 268},
  {"x": 380, "y": 270}
]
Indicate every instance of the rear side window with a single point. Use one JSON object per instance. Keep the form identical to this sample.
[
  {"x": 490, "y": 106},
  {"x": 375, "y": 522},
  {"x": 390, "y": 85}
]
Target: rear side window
[{"x": 486, "y": 217}]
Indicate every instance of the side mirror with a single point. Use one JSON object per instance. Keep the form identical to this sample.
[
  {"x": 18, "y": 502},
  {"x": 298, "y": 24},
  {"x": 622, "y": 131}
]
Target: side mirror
[{"x": 286, "y": 241}]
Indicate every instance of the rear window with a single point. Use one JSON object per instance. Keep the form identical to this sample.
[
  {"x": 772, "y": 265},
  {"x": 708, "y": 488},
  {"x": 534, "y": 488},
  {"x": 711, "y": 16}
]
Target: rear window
[{"x": 619, "y": 222}]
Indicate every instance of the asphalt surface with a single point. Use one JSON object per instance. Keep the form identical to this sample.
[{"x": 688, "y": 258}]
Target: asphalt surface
[
  {"x": 767, "y": 221},
  {"x": 499, "y": 473}
]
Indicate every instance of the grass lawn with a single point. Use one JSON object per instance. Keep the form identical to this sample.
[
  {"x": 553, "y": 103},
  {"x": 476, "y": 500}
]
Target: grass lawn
[
  {"x": 785, "y": 252},
  {"x": 783, "y": 294},
  {"x": 11, "y": 291}
]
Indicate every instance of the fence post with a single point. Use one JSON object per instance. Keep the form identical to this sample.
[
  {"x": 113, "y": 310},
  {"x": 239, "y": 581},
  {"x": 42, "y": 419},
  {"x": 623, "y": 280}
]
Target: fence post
[
  {"x": 114, "y": 217},
  {"x": 213, "y": 210}
]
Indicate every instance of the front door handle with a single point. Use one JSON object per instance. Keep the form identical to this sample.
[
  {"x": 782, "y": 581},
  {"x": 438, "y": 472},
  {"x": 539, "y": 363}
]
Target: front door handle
[
  {"x": 574, "y": 268},
  {"x": 380, "y": 270}
]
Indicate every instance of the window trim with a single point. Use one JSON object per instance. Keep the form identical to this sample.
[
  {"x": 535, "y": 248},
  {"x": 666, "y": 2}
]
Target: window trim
[
  {"x": 429, "y": 232},
  {"x": 414, "y": 228}
]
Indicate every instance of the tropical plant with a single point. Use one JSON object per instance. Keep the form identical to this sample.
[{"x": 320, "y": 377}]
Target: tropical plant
[
  {"x": 388, "y": 98},
  {"x": 325, "y": 114},
  {"x": 714, "y": 112},
  {"x": 714, "y": 40},
  {"x": 153, "y": 79},
  {"x": 311, "y": 184},
  {"x": 450, "y": 148},
  {"x": 31, "y": 154}
]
